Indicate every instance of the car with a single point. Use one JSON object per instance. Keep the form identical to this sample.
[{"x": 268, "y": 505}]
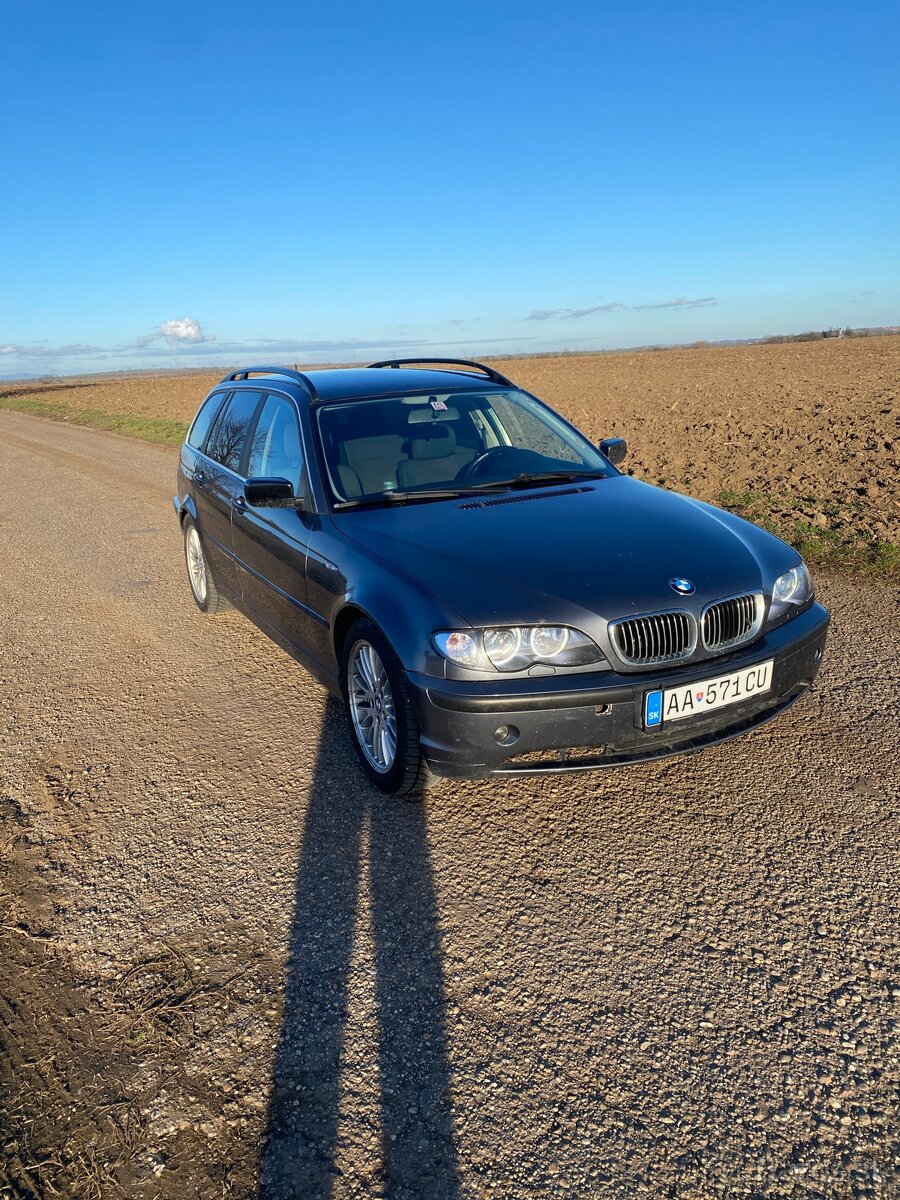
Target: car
[{"x": 488, "y": 593}]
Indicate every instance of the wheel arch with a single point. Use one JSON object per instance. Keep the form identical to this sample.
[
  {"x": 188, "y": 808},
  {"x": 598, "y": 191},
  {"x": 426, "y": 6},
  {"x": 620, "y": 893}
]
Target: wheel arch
[
  {"x": 187, "y": 507},
  {"x": 343, "y": 622}
]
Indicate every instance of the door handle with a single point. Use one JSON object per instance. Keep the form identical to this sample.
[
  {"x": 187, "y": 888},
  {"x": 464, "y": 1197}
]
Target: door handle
[
  {"x": 200, "y": 478},
  {"x": 239, "y": 503}
]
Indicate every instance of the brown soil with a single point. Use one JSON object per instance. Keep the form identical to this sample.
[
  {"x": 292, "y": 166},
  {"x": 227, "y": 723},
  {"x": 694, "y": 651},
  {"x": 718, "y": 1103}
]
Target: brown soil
[
  {"x": 229, "y": 969},
  {"x": 795, "y": 434},
  {"x": 87, "y": 1064}
]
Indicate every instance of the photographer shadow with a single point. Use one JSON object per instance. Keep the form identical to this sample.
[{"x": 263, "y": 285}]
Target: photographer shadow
[{"x": 418, "y": 1154}]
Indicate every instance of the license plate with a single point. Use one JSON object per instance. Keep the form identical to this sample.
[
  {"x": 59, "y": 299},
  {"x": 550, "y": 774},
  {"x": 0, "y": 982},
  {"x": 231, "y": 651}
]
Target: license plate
[{"x": 693, "y": 699}]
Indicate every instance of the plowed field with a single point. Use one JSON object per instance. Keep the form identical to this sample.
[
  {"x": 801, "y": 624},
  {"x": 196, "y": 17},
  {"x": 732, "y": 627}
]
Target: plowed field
[
  {"x": 803, "y": 437},
  {"x": 230, "y": 969}
]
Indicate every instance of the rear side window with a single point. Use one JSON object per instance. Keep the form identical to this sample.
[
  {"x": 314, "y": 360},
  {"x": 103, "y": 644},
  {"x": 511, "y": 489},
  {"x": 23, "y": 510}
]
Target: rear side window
[
  {"x": 204, "y": 419},
  {"x": 229, "y": 435}
]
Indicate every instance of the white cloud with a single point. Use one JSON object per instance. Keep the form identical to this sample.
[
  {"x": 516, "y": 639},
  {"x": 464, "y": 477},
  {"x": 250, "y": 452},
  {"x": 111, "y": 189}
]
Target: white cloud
[
  {"x": 569, "y": 314},
  {"x": 681, "y": 302},
  {"x": 187, "y": 337},
  {"x": 544, "y": 314},
  {"x": 42, "y": 350},
  {"x": 586, "y": 312},
  {"x": 182, "y": 330}
]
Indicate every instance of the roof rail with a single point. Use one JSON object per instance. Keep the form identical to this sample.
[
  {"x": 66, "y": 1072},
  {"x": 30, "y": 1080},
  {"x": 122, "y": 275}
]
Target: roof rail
[
  {"x": 493, "y": 376},
  {"x": 289, "y": 372}
]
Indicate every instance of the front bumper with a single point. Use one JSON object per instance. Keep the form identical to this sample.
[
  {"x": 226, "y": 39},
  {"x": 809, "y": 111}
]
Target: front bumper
[{"x": 584, "y": 722}]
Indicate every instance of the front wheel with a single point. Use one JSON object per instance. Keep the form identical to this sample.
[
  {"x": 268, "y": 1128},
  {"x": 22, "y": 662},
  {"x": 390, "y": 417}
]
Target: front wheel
[{"x": 382, "y": 718}]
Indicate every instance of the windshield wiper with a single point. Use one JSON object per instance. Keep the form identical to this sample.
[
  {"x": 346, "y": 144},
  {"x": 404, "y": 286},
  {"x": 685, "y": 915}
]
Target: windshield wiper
[
  {"x": 529, "y": 478},
  {"x": 526, "y": 479},
  {"x": 403, "y": 497}
]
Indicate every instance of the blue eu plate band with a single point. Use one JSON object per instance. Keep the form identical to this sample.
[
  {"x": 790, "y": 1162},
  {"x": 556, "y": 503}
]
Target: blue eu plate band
[{"x": 653, "y": 708}]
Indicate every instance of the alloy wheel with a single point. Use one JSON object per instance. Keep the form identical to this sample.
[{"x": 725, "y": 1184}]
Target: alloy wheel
[
  {"x": 196, "y": 565},
  {"x": 372, "y": 706}
]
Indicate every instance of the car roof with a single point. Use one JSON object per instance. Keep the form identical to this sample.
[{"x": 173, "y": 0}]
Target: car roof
[
  {"x": 365, "y": 381},
  {"x": 359, "y": 383}
]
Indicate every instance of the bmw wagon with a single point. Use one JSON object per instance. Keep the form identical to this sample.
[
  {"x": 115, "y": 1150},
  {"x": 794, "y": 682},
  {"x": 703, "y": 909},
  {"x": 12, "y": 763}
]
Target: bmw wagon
[{"x": 484, "y": 588}]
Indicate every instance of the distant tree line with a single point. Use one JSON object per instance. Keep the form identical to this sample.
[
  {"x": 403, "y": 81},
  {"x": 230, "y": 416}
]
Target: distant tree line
[{"x": 816, "y": 335}]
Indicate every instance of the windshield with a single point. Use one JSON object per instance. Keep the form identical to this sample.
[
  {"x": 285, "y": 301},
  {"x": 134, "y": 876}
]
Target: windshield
[{"x": 448, "y": 440}]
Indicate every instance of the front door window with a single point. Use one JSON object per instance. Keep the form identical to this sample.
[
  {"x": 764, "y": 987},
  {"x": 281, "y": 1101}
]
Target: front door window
[{"x": 275, "y": 452}]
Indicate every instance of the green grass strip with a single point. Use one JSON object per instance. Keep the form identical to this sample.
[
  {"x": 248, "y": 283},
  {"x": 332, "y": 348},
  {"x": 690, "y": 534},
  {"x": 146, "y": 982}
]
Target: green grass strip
[
  {"x": 149, "y": 429},
  {"x": 827, "y": 547},
  {"x": 817, "y": 545}
]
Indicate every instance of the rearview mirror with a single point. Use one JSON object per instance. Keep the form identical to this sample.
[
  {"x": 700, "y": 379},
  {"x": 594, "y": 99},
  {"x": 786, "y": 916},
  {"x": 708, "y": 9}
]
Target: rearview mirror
[
  {"x": 270, "y": 493},
  {"x": 614, "y": 449}
]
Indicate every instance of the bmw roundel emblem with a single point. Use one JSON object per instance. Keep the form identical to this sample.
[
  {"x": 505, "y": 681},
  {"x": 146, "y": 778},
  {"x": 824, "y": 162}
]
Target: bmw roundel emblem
[{"x": 683, "y": 587}]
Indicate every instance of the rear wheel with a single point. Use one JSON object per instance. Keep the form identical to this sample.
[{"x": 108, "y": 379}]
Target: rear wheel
[
  {"x": 203, "y": 588},
  {"x": 382, "y": 718}
]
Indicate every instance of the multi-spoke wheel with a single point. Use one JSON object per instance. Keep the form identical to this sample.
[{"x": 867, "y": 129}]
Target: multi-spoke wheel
[
  {"x": 203, "y": 588},
  {"x": 382, "y": 717},
  {"x": 372, "y": 707}
]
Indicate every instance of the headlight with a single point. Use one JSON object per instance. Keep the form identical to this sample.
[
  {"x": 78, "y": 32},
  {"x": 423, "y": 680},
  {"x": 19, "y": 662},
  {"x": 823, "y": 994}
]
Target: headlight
[
  {"x": 792, "y": 588},
  {"x": 515, "y": 647},
  {"x": 462, "y": 648},
  {"x": 549, "y": 641},
  {"x": 502, "y": 646}
]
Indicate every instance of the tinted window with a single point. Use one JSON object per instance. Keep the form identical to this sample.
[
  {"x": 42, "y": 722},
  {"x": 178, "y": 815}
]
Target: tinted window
[
  {"x": 229, "y": 435},
  {"x": 204, "y": 420},
  {"x": 276, "y": 442}
]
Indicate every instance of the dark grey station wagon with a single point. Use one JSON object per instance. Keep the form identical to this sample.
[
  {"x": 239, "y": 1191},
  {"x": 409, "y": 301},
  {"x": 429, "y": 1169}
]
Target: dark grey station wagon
[{"x": 481, "y": 585}]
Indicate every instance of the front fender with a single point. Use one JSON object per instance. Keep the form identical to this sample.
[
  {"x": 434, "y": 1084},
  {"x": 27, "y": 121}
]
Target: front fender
[
  {"x": 353, "y": 579},
  {"x": 408, "y": 616}
]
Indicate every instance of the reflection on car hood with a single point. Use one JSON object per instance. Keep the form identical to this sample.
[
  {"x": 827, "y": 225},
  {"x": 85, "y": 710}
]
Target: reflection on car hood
[{"x": 607, "y": 547}]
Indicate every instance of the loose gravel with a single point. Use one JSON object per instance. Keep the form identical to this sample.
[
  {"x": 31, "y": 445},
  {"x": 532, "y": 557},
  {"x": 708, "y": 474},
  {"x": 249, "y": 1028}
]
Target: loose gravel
[{"x": 229, "y": 968}]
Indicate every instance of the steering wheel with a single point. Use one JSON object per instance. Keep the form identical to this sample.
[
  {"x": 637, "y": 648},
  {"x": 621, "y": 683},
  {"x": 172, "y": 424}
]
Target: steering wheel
[{"x": 472, "y": 469}]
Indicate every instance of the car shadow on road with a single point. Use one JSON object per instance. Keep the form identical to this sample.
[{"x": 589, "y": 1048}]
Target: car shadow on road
[{"x": 417, "y": 1155}]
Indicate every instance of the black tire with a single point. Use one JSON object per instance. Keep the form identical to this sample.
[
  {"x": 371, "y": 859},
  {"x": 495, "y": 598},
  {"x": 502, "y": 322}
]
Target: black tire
[
  {"x": 408, "y": 774},
  {"x": 206, "y": 595}
]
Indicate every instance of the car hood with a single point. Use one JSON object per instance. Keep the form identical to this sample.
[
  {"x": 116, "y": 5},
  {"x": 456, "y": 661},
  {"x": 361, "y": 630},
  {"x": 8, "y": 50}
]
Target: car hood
[{"x": 606, "y": 549}]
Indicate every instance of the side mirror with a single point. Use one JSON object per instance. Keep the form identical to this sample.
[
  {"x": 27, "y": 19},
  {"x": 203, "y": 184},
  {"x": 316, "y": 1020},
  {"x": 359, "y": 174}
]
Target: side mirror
[
  {"x": 614, "y": 449},
  {"x": 270, "y": 493}
]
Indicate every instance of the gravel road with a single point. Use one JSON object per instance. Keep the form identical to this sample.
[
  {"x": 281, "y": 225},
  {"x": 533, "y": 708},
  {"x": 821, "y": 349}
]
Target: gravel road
[{"x": 251, "y": 974}]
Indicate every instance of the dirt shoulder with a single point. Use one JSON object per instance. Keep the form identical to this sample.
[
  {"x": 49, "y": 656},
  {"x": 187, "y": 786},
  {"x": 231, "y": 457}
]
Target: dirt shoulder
[
  {"x": 803, "y": 437},
  {"x": 89, "y": 1062},
  {"x": 228, "y": 968}
]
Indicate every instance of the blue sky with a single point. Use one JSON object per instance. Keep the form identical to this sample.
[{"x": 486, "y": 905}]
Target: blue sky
[{"x": 222, "y": 183}]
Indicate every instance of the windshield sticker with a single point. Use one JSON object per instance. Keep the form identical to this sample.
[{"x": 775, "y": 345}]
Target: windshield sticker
[{"x": 438, "y": 405}]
